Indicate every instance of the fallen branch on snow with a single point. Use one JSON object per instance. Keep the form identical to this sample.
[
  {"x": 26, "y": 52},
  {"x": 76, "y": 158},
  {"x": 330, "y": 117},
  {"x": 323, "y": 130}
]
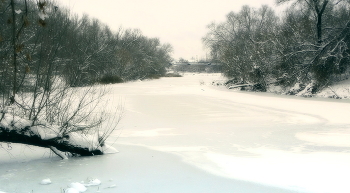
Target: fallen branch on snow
[{"x": 240, "y": 85}]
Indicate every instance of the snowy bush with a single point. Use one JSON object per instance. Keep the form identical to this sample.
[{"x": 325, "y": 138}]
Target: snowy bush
[
  {"x": 308, "y": 91},
  {"x": 111, "y": 79},
  {"x": 296, "y": 89}
]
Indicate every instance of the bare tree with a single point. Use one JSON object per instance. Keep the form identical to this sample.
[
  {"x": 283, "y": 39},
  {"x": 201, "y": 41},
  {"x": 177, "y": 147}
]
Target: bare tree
[
  {"x": 308, "y": 45},
  {"x": 43, "y": 110},
  {"x": 329, "y": 20},
  {"x": 318, "y": 8},
  {"x": 243, "y": 45},
  {"x": 50, "y": 61}
]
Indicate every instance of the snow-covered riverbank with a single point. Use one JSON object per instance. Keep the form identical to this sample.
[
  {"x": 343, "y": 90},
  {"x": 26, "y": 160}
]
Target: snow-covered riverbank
[{"x": 204, "y": 139}]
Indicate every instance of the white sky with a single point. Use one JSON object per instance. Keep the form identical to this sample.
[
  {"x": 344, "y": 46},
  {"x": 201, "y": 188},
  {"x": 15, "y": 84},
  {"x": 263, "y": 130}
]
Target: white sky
[{"x": 181, "y": 23}]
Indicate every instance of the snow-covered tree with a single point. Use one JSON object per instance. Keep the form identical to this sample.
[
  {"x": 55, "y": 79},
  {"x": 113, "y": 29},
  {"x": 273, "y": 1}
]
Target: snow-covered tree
[
  {"x": 309, "y": 45},
  {"x": 320, "y": 49},
  {"x": 38, "y": 107},
  {"x": 243, "y": 44}
]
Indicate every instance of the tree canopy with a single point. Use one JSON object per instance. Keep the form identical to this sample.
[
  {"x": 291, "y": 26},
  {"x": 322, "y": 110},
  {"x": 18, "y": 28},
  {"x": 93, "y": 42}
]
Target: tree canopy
[
  {"x": 44, "y": 52},
  {"x": 308, "y": 45}
]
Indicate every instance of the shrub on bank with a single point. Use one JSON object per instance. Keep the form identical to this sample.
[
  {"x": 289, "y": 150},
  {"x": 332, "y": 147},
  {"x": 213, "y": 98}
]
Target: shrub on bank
[
  {"x": 172, "y": 75},
  {"x": 110, "y": 79}
]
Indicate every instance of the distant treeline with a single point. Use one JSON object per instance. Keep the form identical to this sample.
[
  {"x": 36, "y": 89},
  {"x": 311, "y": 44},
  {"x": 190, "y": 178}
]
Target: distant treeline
[
  {"x": 308, "y": 46},
  {"x": 81, "y": 50},
  {"x": 200, "y": 67}
]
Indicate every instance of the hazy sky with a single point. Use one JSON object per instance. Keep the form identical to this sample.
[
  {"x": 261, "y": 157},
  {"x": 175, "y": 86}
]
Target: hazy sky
[{"x": 181, "y": 23}]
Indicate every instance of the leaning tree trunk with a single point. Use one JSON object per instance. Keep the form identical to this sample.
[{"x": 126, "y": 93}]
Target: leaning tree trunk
[
  {"x": 25, "y": 136},
  {"x": 19, "y": 132}
]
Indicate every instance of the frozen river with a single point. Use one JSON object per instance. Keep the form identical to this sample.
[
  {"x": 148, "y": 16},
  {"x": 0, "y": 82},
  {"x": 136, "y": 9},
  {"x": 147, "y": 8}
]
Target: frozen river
[{"x": 185, "y": 135}]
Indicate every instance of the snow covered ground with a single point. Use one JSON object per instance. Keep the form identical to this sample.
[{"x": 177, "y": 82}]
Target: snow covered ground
[{"x": 185, "y": 135}]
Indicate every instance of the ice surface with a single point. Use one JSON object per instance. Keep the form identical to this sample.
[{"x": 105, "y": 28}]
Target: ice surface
[
  {"x": 71, "y": 190},
  {"x": 256, "y": 137},
  {"x": 107, "y": 149},
  {"x": 45, "y": 181},
  {"x": 180, "y": 135},
  {"x": 93, "y": 182},
  {"x": 78, "y": 186}
]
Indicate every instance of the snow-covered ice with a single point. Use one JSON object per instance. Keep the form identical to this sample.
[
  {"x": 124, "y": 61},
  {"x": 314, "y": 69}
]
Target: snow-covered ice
[
  {"x": 71, "y": 190},
  {"x": 45, "y": 181},
  {"x": 107, "y": 149},
  {"x": 185, "y": 135},
  {"x": 78, "y": 186},
  {"x": 112, "y": 186},
  {"x": 93, "y": 182}
]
